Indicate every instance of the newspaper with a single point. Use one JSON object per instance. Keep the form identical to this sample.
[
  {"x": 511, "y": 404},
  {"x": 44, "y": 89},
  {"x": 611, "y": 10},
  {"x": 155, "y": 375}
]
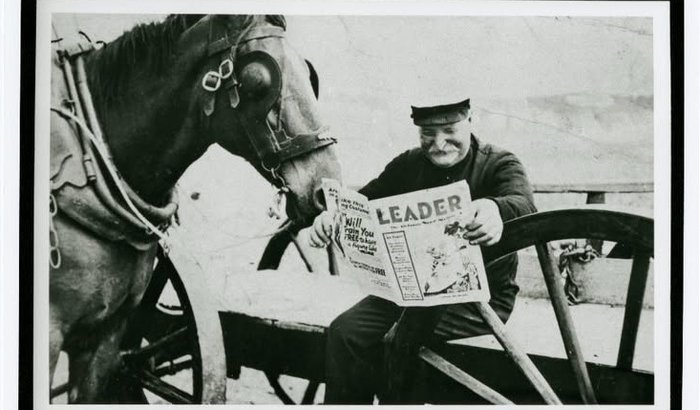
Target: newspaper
[{"x": 410, "y": 248}]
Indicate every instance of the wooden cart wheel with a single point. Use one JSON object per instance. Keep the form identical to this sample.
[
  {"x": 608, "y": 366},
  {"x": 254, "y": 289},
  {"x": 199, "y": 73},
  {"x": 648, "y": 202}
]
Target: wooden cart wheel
[
  {"x": 592, "y": 382},
  {"x": 634, "y": 232},
  {"x": 173, "y": 349}
]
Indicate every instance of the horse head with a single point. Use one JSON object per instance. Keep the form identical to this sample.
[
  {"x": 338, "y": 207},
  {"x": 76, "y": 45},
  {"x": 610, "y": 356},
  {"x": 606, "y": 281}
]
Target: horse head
[
  {"x": 278, "y": 127},
  {"x": 227, "y": 79}
]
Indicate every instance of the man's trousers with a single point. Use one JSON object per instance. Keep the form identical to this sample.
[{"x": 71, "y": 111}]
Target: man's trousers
[{"x": 355, "y": 349}]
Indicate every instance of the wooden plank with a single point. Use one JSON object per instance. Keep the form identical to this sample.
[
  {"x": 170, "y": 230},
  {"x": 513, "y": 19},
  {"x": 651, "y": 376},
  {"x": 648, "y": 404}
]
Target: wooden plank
[
  {"x": 292, "y": 350},
  {"x": 462, "y": 377},
  {"x": 633, "y": 310},
  {"x": 289, "y": 296},
  {"x": 517, "y": 354},
  {"x": 624, "y": 187},
  {"x": 566, "y": 324}
]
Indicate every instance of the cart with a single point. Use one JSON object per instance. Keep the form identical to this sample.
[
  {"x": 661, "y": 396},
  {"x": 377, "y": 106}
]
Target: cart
[
  {"x": 204, "y": 347},
  {"x": 184, "y": 352}
]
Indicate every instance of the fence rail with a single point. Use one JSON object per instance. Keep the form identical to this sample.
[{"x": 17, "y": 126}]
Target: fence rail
[{"x": 613, "y": 188}]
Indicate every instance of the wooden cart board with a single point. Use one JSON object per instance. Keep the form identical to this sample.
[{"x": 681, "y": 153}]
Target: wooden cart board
[
  {"x": 290, "y": 297},
  {"x": 308, "y": 302}
]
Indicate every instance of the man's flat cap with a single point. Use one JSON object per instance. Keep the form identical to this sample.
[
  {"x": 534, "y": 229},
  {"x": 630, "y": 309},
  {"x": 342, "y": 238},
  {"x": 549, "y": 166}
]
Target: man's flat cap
[{"x": 440, "y": 114}]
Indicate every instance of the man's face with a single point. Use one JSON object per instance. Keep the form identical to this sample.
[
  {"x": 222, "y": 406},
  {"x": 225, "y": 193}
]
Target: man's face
[{"x": 446, "y": 145}]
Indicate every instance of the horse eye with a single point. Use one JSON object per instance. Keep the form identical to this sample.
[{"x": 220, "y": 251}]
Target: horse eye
[{"x": 255, "y": 79}]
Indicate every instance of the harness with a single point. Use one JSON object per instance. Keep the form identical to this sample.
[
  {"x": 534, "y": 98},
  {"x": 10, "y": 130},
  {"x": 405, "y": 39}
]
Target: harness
[
  {"x": 79, "y": 109},
  {"x": 272, "y": 145}
]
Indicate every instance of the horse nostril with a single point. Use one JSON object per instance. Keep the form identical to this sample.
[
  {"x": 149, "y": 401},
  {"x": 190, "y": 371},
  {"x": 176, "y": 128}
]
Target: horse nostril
[{"x": 319, "y": 199}]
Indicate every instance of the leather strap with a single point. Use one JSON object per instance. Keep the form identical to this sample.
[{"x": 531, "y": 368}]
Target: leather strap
[{"x": 254, "y": 33}]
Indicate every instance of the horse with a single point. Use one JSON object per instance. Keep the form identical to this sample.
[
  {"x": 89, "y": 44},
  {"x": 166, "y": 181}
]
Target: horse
[{"x": 127, "y": 120}]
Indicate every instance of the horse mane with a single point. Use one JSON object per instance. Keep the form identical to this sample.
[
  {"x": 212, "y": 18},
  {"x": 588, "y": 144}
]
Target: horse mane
[{"x": 146, "y": 45}]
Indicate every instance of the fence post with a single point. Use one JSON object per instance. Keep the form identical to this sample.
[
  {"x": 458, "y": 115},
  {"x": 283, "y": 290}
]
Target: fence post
[{"x": 596, "y": 197}]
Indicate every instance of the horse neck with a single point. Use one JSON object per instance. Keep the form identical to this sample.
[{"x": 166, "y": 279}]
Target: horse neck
[{"x": 151, "y": 135}]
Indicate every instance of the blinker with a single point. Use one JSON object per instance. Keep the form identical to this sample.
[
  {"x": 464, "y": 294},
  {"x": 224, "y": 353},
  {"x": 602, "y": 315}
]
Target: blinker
[
  {"x": 260, "y": 79},
  {"x": 256, "y": 79}
]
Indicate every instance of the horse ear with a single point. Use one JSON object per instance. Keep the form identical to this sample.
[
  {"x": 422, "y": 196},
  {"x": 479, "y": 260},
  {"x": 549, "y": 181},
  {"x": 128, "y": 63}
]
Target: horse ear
[
  {"x": 277, "y": 20},
  {"x": 189, "y": 20},
  {"x": 313, "y": 77}
]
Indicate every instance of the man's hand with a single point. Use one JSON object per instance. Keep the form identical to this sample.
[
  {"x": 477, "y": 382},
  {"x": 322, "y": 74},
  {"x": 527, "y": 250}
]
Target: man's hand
[
  {"x": 483, "y": 223},
  {"x": 322, "y": 230}
]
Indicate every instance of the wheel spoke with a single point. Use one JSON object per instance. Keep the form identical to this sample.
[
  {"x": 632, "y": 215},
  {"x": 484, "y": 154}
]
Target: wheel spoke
[
  {"x": 158, "y": 282},
  {"x": 633, "y": 310},
  {"x": 165, "y": 390},
  {"x": 172, "y": 368},
  {"x": 517, "y": 354},
  {"x": 274, "y": 380},
  {"x": 566, "y": 323},
  {"x": 171, "y": 343},
  {"x": 310, "y": 392},
  {"x": 462, "y": 377},
  {"x": 59, "y": 390}
]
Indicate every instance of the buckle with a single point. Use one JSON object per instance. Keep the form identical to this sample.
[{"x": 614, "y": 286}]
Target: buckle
[
  {"x": 211, "y": 81},
  {"x": 226, "y": 69}
]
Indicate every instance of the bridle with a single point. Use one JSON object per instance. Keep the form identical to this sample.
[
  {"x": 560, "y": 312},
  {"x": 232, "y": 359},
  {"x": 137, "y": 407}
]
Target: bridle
[{"x": 271, "y": 143}]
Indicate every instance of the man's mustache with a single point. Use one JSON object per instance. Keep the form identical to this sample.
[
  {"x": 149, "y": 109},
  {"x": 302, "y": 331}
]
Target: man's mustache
[
  {"x": 442, "y": 152},
  {"x": 446, "y": 148}
]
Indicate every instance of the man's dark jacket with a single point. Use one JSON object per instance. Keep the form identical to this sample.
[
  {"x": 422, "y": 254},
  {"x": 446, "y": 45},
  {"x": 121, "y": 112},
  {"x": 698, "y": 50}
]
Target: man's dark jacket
[{"x": 491, "y": 173}]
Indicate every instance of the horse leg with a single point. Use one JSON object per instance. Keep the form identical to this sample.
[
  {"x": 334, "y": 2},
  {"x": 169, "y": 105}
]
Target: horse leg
[
  {"x": 56, "y": 337},
  {"x": 92, "y": 370},
  {"x": 98, "y": 285}
]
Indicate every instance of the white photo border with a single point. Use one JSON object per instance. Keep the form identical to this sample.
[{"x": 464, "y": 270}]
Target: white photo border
[{"x": 659, "y": 11}]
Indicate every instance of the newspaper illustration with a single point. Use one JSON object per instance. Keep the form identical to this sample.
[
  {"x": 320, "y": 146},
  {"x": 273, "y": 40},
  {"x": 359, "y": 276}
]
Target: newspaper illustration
[{"x": 410, "y": 248}]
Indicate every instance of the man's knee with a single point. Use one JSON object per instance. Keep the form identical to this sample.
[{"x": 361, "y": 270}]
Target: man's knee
[{"x": 340, "y": 330}]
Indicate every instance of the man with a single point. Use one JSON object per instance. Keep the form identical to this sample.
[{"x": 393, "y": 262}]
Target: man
[{"x": 500, "y": 191}]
